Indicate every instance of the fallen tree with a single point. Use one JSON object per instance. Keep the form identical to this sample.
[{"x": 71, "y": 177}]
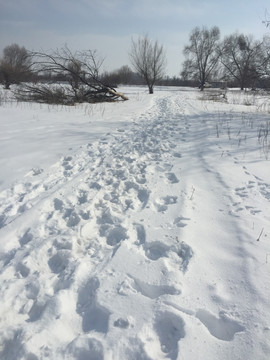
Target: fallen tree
[{"x": 74, "y": 79}]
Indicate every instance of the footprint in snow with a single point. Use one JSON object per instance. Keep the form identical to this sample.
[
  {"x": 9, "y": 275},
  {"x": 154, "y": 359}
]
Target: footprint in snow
[
  {"x": 241, "y": 191},
  {"x": 2, "y": 220},
  {"x": 153, "y": 291},
  {"x": 115, "y": 235},
  {"x": 58, "y": 204},
  {"x": 85, "y": 214},
  {"x": 185, "y": 253},
  {"x": 94, "y": 316},
  {"x": 143, "y": 196},
  {"x": 223, "y": 328},
  {"x": 37, "y": 171},
  {"x": 67, "y": 166},
  {"x": 95, "y": 185},
  {"x": 26, "y": 238},
  {"x": 164, "y": 167},
  {"x": 238, "y": 208},
  {"x": 172, "y": 178},
  {"x": 142, "y": 193},
  {"x": 161, "y": 204},
  {"x": 141, "y": 234},
  {"x": 22, "y": 269},
  {"x": 83, "y": 348},
  {"x": 82, "y": 197},
  {"x": 59, "y": 261},
  {"x": 110, "y": 228},
  {"x": 71, "y": 217},
  {"x": 177, "y": 154},
  {"x": 6, "y": 258},
  {"x": 66, "y": 163},
  {"x": 134, "y": 349},
  {"x": 182, "y": 253},
  {"x": 155, "y": 250},
  {"x": 170, "y": 329},
  {"x": 32, "y": 289},
  {"x": 63, "y": 243},
  {"x": 12, "y": 344},
  {"x": 121, "y": 323},
  {"x": 264, "y": 189},
  {"x": 251, "y": 184},
  {"x": 180, "y": 221},
  {"x": 38, "y": 309}
]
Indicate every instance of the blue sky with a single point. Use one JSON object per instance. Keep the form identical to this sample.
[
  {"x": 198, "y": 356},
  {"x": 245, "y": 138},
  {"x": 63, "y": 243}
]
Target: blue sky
[{"x": 108, "y": 25}]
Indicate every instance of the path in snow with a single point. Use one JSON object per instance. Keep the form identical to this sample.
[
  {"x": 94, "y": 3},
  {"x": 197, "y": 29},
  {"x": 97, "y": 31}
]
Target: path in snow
[{"x": 131, "y": 246}]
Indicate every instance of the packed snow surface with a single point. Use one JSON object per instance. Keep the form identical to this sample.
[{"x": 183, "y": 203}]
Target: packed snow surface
[{"x": 136, "y": 230}]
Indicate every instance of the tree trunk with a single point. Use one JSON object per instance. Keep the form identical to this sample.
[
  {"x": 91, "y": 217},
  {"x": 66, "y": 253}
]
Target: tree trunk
[
  {"x": 116, "y": 93},
  {"x": 7, "y": 81}
]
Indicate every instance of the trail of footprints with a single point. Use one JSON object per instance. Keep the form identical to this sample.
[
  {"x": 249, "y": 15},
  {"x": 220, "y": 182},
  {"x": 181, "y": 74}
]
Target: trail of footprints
[
  {"x": 242, "y": 194},
  {"x": 90, "y": 222}
]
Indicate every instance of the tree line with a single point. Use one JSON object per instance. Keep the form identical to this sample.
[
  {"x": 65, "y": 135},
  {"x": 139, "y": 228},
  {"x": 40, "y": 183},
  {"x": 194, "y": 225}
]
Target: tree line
[
  {"x": 65, "y": 77},
  {"x": 238, "y": 60}
]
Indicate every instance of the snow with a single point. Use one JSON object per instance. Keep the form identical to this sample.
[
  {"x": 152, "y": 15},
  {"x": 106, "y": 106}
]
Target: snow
[{"x": 135, "y": 230}]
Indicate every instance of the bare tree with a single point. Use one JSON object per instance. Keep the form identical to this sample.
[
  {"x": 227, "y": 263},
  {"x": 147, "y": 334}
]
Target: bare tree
[
  {"x": 266, "y": 21},
  {"x": 14, "y": 65},
  {"x": 263, "y": 58},
  {"x": 79, "y": 71},
  {"x": 201, "y": 55},
  {"x": 241, "y": 57},
  {"x": 149, "y": 60}
]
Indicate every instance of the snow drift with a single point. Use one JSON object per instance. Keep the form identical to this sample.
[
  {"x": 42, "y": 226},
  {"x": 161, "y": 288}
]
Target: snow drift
[{"x": 135, "y": 231}]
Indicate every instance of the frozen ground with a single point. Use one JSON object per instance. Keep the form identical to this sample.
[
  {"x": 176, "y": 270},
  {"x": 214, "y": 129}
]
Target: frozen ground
[{"x": 137, "y": 230}]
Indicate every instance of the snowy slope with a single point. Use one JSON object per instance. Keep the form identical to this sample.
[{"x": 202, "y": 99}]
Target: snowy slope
[{"x": 141, "y": 242}]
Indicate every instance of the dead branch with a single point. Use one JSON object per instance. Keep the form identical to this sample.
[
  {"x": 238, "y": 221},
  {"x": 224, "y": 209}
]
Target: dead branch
[{"x": 75, "y": 79}]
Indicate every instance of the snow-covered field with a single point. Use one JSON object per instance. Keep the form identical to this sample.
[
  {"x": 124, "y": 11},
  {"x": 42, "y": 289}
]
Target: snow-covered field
[{"x": 136, "y": 230}]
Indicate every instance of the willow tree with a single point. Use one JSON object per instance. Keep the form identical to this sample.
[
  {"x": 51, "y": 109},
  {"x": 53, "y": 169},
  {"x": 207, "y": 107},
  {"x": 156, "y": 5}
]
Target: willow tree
[
  {"x": 242, "y": 58},
  {"x": 14, "y": 65},
  {"x": 201, "y": 55}
]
